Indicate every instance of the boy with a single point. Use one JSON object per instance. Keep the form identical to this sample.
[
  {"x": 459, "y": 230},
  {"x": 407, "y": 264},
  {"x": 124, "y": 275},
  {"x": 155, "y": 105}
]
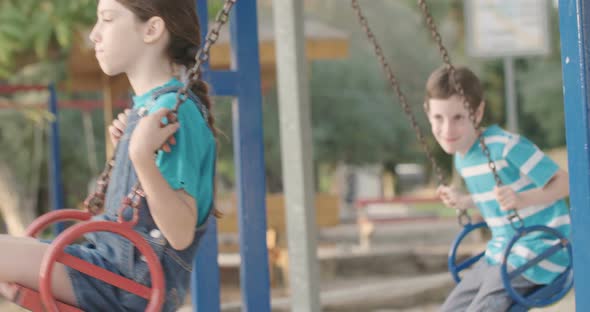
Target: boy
[{"x": 533, "y": 185}]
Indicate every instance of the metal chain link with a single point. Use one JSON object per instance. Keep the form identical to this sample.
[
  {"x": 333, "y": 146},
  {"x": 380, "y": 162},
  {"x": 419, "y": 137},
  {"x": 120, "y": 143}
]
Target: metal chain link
[
  {"x": 396, "y": 87},
  {"x": 429, "y": 20},
  {"x": 458, "y": 87},
  {"x": 202, "y": 56},
  {"x": 94, "y": 203},
  {"x": 462, "y": 216}
]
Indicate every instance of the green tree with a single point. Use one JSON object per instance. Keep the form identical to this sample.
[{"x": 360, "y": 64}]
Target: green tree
[
  {"x": 31, "y": 30},
  {"x": 541, "y": 98},
  {"x": 35, "y": 36},
  {"x": 356, "y": 117},
  {"x": 35, "y": 40}
]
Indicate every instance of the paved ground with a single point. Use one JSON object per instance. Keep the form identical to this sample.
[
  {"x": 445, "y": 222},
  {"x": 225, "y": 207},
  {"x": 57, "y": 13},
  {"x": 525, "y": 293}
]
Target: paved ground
[{"x": 391, "y": 292}]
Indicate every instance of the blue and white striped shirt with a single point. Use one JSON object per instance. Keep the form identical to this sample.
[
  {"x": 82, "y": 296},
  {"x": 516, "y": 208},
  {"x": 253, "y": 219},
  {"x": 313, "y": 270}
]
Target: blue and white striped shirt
[{"x": 522, "y": 166}]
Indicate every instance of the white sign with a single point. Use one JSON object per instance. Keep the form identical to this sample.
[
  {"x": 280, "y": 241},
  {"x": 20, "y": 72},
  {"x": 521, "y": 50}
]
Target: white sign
[{"x": 497, "y": 28}]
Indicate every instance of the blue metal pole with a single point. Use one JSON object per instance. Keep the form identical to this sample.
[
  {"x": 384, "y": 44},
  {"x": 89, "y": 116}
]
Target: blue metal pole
[
  {"x": 205, "y": 277},
  {"x": 574, "y": 23},
  {"x": 249, "y": 159},
  {"x": 54, "y": 157},
  {"x": 243, "y": 82}
]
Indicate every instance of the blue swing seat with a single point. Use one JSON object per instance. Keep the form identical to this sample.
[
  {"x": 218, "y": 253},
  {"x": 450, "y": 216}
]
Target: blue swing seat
[{"x": 539, "y": 297}]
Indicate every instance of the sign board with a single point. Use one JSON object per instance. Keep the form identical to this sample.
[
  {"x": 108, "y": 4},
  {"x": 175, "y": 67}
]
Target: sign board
[{"x": 499, "y": 28}]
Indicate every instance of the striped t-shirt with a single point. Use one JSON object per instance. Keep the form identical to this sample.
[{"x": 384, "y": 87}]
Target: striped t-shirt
[{"x": 522, "y": 166}]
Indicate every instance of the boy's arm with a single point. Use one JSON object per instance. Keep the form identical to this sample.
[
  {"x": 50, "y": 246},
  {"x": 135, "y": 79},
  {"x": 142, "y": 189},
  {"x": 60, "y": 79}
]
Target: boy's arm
[
  {"x": 551, "y": 181},
  {"x": 557, "y": 188},
  {"x": 466, "y": 202}
]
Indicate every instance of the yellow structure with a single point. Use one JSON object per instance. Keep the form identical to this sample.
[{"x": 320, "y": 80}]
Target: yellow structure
[{"x": 326, "y": 207}]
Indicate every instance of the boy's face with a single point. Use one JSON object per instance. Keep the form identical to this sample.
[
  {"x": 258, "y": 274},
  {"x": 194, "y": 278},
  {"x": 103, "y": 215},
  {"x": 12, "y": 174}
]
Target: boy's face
[{"x": 450, "y": 124}]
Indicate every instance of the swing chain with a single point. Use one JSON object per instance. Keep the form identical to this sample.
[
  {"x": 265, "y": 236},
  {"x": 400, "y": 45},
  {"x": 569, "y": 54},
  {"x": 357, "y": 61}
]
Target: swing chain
[
  {"x": 463, "y": 217},
  {"x": 429, "y": 20},
  {"x": 515, "y": 220},
  {"x": 202, "y": 56},
  {"x": 397, "y": 88},
  {"x": 94, "y": 203},
  {"x": 194, "y": 74},
  {"x": 133, "y": 201}
]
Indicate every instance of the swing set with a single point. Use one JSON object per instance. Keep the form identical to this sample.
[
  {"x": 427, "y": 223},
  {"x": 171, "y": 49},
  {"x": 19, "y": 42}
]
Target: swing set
[
  {"x": 539, "y": 297},
  {"x": 44, "y": 300}
]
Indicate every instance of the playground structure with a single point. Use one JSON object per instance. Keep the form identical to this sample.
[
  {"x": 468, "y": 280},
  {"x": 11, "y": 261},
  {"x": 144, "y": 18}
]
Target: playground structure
[
  {"x": 543, "y": 296},
  {"x": 251, "y": 194},
  {"x": 245, "y": 85},
  {"x": 54, "y": 168}
]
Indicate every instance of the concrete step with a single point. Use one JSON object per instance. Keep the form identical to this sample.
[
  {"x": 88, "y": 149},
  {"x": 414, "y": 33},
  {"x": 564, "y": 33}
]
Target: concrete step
[
  {"x": 378, "y": 261},
  {"x": 346, "y": 262},
  {"x": 371, "y": 294},
  {"x": 413, "y": 294},
  {"x": 417, "y": 232}
]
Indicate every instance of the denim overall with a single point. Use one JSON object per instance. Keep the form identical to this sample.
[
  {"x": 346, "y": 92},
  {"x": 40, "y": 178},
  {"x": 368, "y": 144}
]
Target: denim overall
[{"x": 117, "y": 254}]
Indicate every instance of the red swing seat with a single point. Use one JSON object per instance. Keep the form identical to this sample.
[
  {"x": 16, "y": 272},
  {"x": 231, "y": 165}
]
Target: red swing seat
[{"x": 43, "y": 300}]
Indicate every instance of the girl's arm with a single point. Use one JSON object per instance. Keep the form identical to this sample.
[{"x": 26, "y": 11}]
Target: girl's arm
[{"x": 174, "y": 211}]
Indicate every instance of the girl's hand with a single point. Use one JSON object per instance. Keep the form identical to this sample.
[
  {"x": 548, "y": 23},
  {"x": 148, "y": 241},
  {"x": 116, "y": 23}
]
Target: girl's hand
[
  {"x": 507, "y": 198},
  {"x": 151, "y": 134},
  {"x": 117, "y": 128}
]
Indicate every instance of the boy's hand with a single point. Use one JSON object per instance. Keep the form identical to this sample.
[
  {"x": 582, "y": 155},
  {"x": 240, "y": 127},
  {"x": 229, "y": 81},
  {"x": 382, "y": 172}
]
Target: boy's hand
[
  {"x": 450, "y": 196},
  {"x": 507, "y": 198}
]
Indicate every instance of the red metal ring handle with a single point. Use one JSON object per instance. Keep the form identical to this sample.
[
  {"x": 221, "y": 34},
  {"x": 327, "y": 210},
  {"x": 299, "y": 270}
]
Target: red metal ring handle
[
  {"x": 56, "y": 252},
  {"x": 45, "y": 220}
]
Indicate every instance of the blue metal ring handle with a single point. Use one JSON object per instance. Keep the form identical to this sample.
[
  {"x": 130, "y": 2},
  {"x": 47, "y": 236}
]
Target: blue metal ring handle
[
  {"x": 550, "y": 293},
  {"x": 455, "y": 268}
]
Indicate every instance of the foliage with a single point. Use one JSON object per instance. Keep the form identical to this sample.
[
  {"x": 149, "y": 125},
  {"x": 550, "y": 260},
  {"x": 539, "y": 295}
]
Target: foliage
[
  {"x": 35, "y": 38},
  {"x": 540, "y": 82},
  {"x": 356, "y": 118},
  {"x": 39, "y": 29}
]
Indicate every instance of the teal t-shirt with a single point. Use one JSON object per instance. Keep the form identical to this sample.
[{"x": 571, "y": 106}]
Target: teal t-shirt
[
  {"x": 522, "y": 166},
  {"x": 190, "y": 163}
]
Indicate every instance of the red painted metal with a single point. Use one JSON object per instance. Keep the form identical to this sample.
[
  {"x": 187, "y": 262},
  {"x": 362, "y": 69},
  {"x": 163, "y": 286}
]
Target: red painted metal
[
  {"x": 55, "y": 216},
  {"x": 55, "y": 253},
  {"x": 104, "y": 275},
  {"x": 397, "y": 200},
  {"x": 85, "y": 105},
  {"x": 26, "y": 297},
  {"x": 81, "y": 104},
  {"x": 44, "y": 300},
  {"x": 4, "y": 89}
]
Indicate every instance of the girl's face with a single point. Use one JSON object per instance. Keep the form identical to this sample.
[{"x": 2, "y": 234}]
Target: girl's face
[
  {"x": 117, "y": 37},
  {"x": 451, "y": 126}
]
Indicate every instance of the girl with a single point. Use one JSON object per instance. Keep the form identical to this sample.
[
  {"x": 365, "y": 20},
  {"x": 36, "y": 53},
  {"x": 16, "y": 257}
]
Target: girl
[
  {"x": 534, "y": 186},
  {"x": 152, "y": 42}
]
